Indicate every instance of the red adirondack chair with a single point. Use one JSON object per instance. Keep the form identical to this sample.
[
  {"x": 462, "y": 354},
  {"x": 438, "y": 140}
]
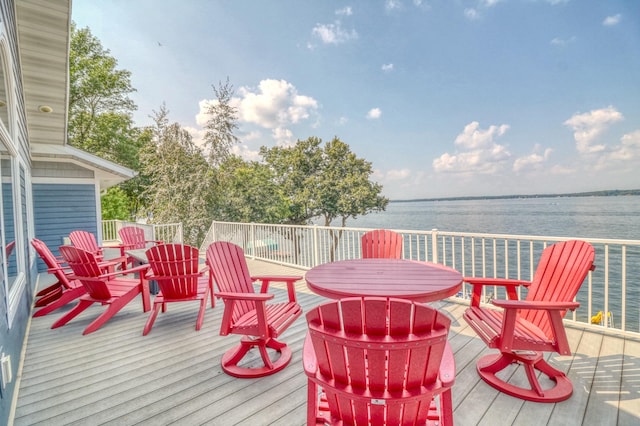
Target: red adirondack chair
[
  {"x": 175, "y": 268},
  {"x": 381, "y": 243},
  {"x": 523, "y": 329},
  {"x": 63, "y": 291},
  {"x": 247, "y": 312},
  {"x": 378, "y": 361},
  {"x": 110, "y": 288},
  {"x": 133, "y": 238}
]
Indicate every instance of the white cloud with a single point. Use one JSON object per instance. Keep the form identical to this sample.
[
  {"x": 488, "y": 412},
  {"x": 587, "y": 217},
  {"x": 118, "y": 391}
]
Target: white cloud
[
  {"x": 475, "y": 138},
  {"x": 274, "y": 103},
  {"x": 589, "y": 125},
  {"x": 345, "y": 11},
  {"x": 342, "y": 121},
  {"x": 471, "y": 14},
  {"x": 333, "y": 33},
  {"x": 387, "y": 67},
  {"x": 533, "y": 161},
  {"x": 390, "y": 5},
  {"x": 283, "y": 137},
  {"x": 563, "y": 41},
  {"x": 374, "y": 113},
  {"x": 244, "y": 152},
  {"x": 489, "y": 3},
  {"x": 397, "y": 174},
  {"x": 627, "y": 153},
  {"x": 479, "y": 152},
  {"x": 610, "y": 21}
]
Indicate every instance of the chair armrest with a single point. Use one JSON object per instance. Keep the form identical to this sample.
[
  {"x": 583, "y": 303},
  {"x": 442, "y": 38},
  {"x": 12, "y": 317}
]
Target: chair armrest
[
  {"x": 526, "y": 304},
  {"x": 447, "y": 373},
  {"x": 309, "y": 360},
  {"x": 554, "y": 311},
  {"x": 288, "y": 279},
  {"x": 142, "y": 269},
  {"x": 246, "y": 296},
  {"x": 152, "y": 277},
  {"x": 479, "y": 283},
  {"x": 502, "y": 282}
]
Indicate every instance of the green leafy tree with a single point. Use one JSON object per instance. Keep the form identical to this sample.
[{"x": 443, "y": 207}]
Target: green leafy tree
[
  {"x": 100, "y": 110},
  {"x": 294, "y": 171},
  {"x": 222, "y": 122},
  {"x": 327, "y": 181},
  {"x": 180, "y": 180},
  {"x": 115, "y": 204}
]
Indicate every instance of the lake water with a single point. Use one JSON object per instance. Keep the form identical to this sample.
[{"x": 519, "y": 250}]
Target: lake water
[{"x": 615, "y": 217}]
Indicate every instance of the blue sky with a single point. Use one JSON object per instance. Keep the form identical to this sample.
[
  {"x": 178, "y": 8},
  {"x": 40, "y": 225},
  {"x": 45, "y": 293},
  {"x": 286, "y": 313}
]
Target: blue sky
[{"x": 443, "y": 97}]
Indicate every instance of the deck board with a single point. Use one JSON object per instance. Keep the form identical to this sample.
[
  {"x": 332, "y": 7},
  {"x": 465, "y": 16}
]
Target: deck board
[{"x": 116, "y": 376}]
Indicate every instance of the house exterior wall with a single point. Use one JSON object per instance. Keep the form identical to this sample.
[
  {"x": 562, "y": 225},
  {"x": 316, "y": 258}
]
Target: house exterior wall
[
  {"x": 61, "y": 208},
  {"x": 17, "y": 269}
]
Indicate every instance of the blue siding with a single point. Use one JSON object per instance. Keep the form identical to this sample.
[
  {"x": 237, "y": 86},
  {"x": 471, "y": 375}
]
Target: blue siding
[{"x": 59, "y": 209}]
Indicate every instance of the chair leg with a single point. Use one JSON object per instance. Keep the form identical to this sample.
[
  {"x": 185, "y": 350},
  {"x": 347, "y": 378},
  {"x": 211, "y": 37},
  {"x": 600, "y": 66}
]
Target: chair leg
[
  {"x": 49, "y": 289},
  {"x": 203, "y": 308},
  {"x": 66, "y": 297},
  {"x": 234, "y": 355},
  {"x": 49, "y": 297},
  {"x": 151, "y": 319},
  {"x": 81, "y": 306},
  {"x": 446, "y": 408},
  {"x": 112, "y": 309},
  {"x": 489, "y": 365}
]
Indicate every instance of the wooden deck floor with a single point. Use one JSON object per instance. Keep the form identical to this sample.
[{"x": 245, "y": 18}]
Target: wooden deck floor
[{"x": 172, "y": 376}]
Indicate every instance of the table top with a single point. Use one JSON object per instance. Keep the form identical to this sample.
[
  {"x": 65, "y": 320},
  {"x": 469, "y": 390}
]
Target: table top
[
  {"x": 406, "y": 279},
  {"x": 139, "y": 255}
]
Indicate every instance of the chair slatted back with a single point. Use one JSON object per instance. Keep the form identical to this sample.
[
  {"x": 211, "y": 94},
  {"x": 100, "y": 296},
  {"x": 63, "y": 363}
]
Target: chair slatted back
[
  {"x": 49, "y": 259},
  {"x": 85, "y": 241},
  {"x": 86, "y": 269},
  {"x": 561, "y": 271},
  {"x": 132, "y": 237},
  {"x": 381, "y": 350},
  {"x": 175, "y": 269},
  {"x": 381, "y": 243},
  {"x": 229, "y": 269}
]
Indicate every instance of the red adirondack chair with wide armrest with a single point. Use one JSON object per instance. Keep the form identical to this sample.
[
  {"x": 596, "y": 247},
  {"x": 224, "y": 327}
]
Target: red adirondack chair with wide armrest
[
  {"x": 175, "y": 268},
  {"x": 381, "y": 243},
  {"x": 378, "y": 361},
  {"x": 110, "y": 288},
  {"x": 63, "y": 291},
  {"x": 523, "y": 329},
  {"x": 247, "y": 313},
  {"x": 133, "y": 238},
  {"x": 87, "y": 241}
]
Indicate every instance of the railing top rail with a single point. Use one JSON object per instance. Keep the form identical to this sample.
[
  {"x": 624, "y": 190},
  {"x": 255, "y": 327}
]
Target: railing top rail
[{"x": 542, "y": 238}]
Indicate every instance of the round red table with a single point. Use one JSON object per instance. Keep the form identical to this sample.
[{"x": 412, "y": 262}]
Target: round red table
[{"x": 405, "y": 279}]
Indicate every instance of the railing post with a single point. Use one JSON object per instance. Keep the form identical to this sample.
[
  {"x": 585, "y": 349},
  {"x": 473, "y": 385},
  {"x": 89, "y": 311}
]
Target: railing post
[
  {"x": 434, "y": 245},
  {"x": 252, "y": 236},
  {"x": 316, "y": 248}
]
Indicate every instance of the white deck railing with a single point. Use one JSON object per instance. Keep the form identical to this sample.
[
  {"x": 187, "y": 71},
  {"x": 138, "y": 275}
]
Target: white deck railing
[
  {"x": 170, "y": 232},
  {"x": 614, "y": 287}
]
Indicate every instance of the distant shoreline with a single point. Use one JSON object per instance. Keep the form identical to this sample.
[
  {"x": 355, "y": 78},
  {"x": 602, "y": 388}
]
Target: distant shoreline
[{"x": 609, "y": 193}]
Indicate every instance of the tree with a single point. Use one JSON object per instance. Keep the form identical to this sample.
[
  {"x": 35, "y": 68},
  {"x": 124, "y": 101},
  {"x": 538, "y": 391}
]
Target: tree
[
  {"x": 294, "y": 171},
  {"x": 343, "y": 187},
  {"x": 180, "y": 180},
  {"x": 329, "y": 182},
  {"x": 100, "y": 111},
  {"x": 222, "y": 121},
  {"x": 249, "y": 193}
]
